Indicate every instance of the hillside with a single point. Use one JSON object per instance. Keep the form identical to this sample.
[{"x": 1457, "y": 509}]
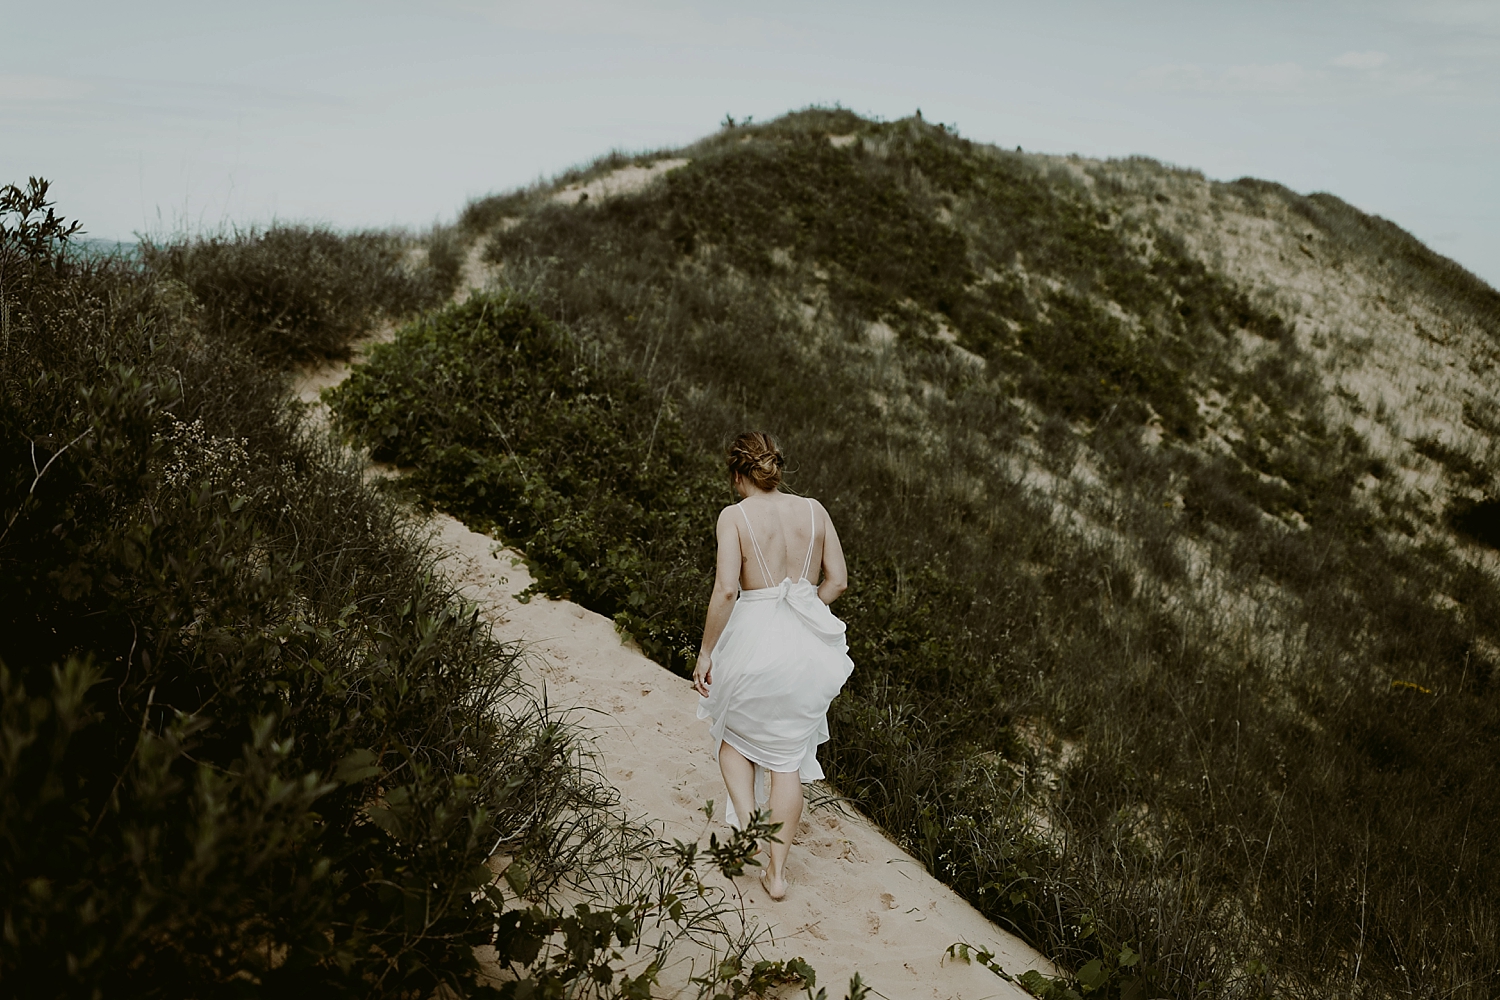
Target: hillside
[{"x": 1169, "y": 504}]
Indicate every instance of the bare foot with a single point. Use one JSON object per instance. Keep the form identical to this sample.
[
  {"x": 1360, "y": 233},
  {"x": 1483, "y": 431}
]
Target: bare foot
[{"x": 775, "y": 885}]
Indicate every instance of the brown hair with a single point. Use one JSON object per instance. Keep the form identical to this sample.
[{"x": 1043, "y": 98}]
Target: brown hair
[{"x": 756, "y": 456}]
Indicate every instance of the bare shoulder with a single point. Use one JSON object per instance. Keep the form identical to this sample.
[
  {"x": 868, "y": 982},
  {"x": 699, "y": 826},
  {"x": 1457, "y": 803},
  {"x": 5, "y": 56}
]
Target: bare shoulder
[{"x": 726, "y": 514}]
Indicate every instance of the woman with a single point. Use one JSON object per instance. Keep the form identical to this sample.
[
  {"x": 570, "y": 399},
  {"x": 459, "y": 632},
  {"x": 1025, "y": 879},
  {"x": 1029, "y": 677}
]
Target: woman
[{"x": 773, "y": 655}]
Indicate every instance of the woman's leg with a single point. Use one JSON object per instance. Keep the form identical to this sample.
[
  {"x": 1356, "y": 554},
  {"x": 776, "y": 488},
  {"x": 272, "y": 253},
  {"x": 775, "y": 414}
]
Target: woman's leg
[
  {"x": 739, "y": 778},
  {"x": 786, "y": 809}
]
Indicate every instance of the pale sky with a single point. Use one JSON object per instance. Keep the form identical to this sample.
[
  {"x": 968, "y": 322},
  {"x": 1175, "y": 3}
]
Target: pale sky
[{"x": 157, "y": 117}]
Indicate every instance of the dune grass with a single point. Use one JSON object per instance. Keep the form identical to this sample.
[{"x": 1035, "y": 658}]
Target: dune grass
[{"x": 1187, "y": 711}]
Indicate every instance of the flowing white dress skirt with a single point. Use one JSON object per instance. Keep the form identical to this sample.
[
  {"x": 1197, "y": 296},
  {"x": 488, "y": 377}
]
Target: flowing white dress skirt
[{"x": 778, "y": 664}]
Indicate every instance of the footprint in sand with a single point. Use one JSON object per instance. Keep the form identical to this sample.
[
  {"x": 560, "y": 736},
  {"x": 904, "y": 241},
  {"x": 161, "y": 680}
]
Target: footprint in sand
[{"x": 833, "y": 848}]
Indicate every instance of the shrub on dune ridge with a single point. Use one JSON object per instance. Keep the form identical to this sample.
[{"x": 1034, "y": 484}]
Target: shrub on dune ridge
[
  {"x": 296, "y": 293},
  {"x": 506, "y": 422}
]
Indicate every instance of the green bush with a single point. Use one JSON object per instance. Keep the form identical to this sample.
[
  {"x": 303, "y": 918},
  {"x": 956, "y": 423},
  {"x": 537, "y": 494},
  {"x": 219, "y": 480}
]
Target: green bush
[
  {"x": 293, "y": 293},
  {"x": 579, "y": 464},
  {"x": 249, "y": 741}
]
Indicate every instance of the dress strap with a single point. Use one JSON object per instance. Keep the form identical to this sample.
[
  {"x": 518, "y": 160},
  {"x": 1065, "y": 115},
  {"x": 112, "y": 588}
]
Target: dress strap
[
  {"x": 812, "y": 533},
  {"x": 765, "y": 569}
]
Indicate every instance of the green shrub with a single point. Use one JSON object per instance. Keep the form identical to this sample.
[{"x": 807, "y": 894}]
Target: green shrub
[
  {"x": 249, "y": 741},
  {"x": 580, "y": 465},
  {"x": 294, "y": 293}
]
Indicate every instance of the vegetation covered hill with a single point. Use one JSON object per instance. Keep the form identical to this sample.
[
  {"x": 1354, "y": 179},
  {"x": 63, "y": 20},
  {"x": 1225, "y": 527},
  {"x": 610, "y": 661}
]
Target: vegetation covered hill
[{"x": 1170, "y": 507}]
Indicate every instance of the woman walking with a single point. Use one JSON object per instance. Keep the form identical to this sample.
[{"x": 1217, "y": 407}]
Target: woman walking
[{"x": 773, "y": 655}]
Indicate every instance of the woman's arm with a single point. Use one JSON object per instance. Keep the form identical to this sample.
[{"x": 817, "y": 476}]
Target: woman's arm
[
  {"x": 835, "y": 571},
  {"x": 726, "y": 592}
]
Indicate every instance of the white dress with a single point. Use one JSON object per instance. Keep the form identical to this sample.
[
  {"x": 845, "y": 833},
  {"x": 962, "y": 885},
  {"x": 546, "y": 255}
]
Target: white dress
[{"x": 781, "y": 659}]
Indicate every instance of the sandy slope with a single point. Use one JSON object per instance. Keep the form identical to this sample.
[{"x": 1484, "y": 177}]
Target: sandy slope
[{"x": 626, "y": 180}]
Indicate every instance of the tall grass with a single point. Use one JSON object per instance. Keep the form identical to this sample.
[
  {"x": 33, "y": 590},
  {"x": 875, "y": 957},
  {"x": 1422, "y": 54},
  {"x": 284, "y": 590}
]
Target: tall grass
[{"x": 1191, "y": 701}]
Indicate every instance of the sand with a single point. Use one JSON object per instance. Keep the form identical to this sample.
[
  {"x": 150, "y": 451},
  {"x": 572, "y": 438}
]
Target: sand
[{"x": 626, "y": 180}]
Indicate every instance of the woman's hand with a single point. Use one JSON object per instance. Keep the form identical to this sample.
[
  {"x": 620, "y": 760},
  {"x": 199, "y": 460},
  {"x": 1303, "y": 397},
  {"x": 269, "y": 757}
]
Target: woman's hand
[{"x": 703, "y": 675}]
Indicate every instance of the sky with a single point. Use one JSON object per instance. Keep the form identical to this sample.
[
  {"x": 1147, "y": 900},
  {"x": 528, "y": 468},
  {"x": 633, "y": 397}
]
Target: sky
[{"x": 158, "y": 118}]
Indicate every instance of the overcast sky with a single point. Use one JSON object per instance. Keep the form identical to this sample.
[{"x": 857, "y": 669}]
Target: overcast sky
[{"x": 155, "y": 117}]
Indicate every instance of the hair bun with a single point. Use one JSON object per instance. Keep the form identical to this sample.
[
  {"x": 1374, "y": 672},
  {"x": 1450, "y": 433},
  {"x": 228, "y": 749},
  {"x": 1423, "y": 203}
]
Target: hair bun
[{"x": 756, "y": 456}]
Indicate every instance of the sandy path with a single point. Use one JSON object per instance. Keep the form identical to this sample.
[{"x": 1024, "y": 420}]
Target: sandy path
[
  {"x": 626, "y": 180},
  {"x": 857, "y": 901}
]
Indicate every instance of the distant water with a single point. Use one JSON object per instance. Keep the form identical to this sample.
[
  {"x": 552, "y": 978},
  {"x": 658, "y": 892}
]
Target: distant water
[{"x": 90, "y": 247}]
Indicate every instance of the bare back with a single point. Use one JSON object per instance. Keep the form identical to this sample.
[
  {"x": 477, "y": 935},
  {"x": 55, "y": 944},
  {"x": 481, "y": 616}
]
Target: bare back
[{"x": 790, "y": 534}]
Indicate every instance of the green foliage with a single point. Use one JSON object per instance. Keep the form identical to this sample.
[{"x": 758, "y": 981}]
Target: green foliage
[
  {"x": 583, "y": 951},
  {"x": 1459, "y": 465},
  {"x": 812, "y": 202},
  {"x": 32, "y": 240},
  {"x": 580, "y": 465},
  {"x": 446, "y": 249},
  {"x": 1120, "y": 977},
  {"x": 32, "y": 234},
  {"x": 293, "y": 293}
]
